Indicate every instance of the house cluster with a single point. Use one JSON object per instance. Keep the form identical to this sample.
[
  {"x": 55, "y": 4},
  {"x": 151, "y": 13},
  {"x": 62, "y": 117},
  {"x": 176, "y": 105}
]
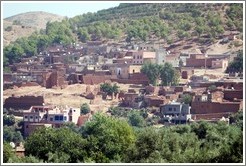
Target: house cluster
[
  {"x": 224, "y": 99},
  {"x": 51, "y": 116},
  {"x": 97, "y": 62}
]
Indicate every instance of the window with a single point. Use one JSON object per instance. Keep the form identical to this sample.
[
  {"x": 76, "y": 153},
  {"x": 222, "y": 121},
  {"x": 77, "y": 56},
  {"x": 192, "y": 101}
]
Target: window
[
  {"x": 31, "y": 117},
  {"x": 70, "y": 118},
  {"x": 26, "y": 126},
  {"x": 51, "y": 118},
  {"x": 169, "y": 109},
  {"x": 26, "y": 117},
  {"x": 36, "y": 117},
  {"x": 174, "y": 109},
  {"x": 61, "y": 118},
  {"x": 57, "y": 118},
  {"x": 65, "y": 118}
]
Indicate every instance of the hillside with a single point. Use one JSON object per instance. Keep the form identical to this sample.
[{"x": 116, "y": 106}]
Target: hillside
[
  {"x": 23, "y": 25},
  {"x": 191, "y": 25}
]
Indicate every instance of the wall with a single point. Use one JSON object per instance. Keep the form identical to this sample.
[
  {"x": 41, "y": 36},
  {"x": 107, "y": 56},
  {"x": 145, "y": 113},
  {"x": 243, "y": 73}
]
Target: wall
[
  {"x": 231, "y": 94},
  {"x": 23, "y": 102},
  {"x": 214, "y": 107}
]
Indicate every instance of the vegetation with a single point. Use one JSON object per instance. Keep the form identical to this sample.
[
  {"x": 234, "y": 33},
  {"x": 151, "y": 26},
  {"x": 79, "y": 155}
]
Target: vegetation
[
  {"x": 109, "y": 139},
  {"x": 109, "y": 89},
  {"x": 133, "y": 22},
  {"x": 85, "y": 109},
  {"x": 169, "y": 75},
  {"x": 187, "y": 99},
  {"x": 166, "y": 72},
  {"x": 237, "y": 64},
  {"x": 152, "y": 71},
  {"x": 12, "y": 129}
]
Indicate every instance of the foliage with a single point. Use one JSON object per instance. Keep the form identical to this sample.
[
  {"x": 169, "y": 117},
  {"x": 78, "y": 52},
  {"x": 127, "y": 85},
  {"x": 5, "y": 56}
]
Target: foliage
[
  {"x": 10, "y": 134},
  {"x": 9, "y": 28},
  {"x": 235, "y": 13},
  {"x": 152, "y": 71},
  {"x": 212, "y": 87},
  {"x": 85, "y": 109},
  {"x": 25, "y": 159},
  {"x": 8, "y": 120},
  {"x": 135, "y": 119},
  {"x": 187, "y": 99},
  {"x": 237, "y": 64},
  {"x": 7, "y": 152},
  {"x": 109, "y": 89},
  {"x": 131, "y": 22},
  {"x": 169, "y": 75},
  {"x": 237, "y": 119},
  {"x": 108, "y": 138},
  {"x": 64, "y": 141}
]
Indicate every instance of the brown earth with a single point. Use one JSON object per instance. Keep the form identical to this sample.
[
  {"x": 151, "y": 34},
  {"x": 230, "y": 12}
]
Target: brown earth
[{"x": 69, "y": 96}]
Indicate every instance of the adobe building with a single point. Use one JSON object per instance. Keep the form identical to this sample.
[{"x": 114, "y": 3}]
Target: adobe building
[{"x": 203, "y": 104}]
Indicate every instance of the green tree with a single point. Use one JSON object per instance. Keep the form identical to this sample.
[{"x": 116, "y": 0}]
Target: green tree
[
  {"x": 45, "y": 141},
  {"x": 8, "y": 120},
  {"x": 109, "y": 89},
  {"x": 108, "y": 138},
  {"x": 237, "y": 64},
  {"x": 135, "y": 119},
  {"x": 7, "y": 152},
  {"x": 152, "y": 71},
  {"x": 85, "y": 109},
  {"x": 187, "y": 99},
  {"x": 169, "y": 75},
  {"x": 11, "y": 135}
]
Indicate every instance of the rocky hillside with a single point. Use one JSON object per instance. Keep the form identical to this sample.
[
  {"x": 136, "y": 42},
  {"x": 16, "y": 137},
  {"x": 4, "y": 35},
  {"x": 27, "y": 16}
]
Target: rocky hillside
[{"x": 23, "y": 25}]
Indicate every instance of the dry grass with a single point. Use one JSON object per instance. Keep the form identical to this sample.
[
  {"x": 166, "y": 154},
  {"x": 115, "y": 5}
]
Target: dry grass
[{"x": 69, "y": 96}]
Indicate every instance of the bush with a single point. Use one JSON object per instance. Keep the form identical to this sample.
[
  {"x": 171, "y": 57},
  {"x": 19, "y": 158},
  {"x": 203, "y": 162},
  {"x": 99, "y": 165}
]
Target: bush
[
  {"x": 84, "y": 109},
  {"x": 9, "y": 28}
]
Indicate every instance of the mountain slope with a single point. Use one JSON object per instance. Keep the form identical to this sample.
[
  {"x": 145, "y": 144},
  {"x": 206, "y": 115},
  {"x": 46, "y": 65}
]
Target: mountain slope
[{"x": 23, "y": 25}]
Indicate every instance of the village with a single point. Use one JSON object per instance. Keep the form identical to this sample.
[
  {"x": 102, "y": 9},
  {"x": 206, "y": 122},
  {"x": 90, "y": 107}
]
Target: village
[{"x": 48, "y": 89}]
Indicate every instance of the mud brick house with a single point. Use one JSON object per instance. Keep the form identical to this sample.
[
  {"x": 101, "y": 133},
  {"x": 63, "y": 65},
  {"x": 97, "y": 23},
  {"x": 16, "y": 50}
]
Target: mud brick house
[
  {"x": 203, "y": 104},
  {"x": 154, "y": 101},
  {"x": 55, "y": 78},
  {"x": 219, "y": 63},
  {"x": 186, "y": 73},
  {"x": 90, "y": 79},
  {"x": 152, "y": 89},
  {"x": 124, "y": 60},
  {"x": 198, "y": 61},
  {"x": 97, "y": 47},
  {"x": 130, "y": 100},
  {"x": 43, "y": 116},
  {"x": 134, "y": 78}
]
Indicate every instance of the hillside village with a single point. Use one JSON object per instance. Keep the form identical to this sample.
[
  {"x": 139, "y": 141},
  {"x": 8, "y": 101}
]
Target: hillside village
[
  {"x": 50, "y": 88},
  {"x": 95, "y": 63}
]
